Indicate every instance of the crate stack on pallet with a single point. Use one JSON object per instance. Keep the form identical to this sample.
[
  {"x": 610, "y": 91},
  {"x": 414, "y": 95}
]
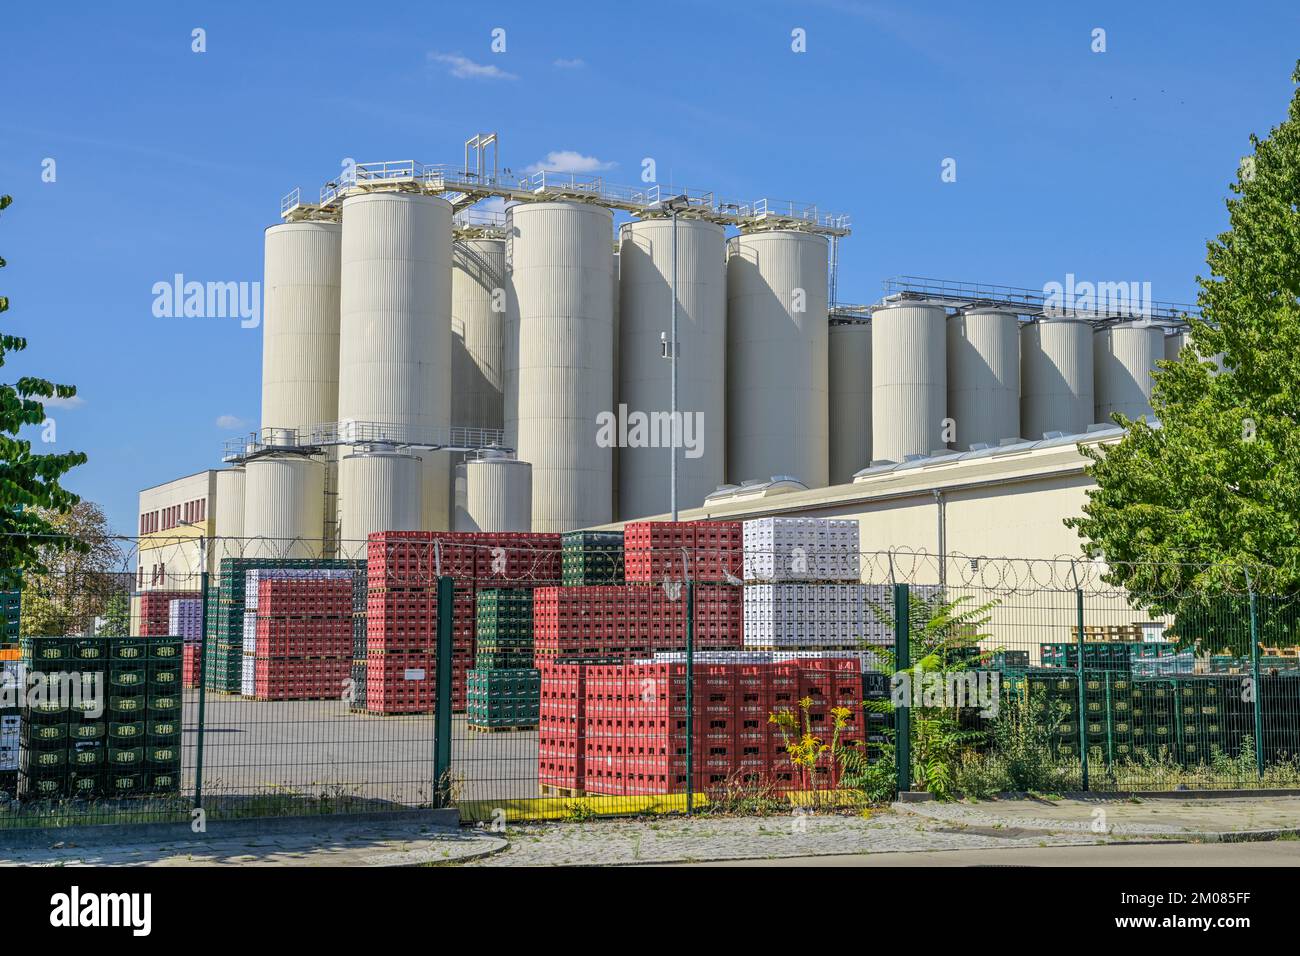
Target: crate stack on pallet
[
  {"x": 223, "y": 667},
  {"x": 185, "y": 620},
  {"x": 402, "y": 606},
  {"x": 155, "y": 611},
  {"x": 503, "y": 691},
  {"x": 302, "y": 625},
  {"x": 115, "y": 732},
  {"x": 356, "y": 696},
  {"x": 11, "y": 604},
  {"x": 591, "y": 557},
  {"x": 12, "y": 677},
  {"x": 303, "y": 638}
]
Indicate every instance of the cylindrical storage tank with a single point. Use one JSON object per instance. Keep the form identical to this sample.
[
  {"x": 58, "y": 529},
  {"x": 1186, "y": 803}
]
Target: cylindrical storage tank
[
  {"x": 983, "y": 376},
  {"x": 1056, "y": 372},
  {"x": 1175, "y": 342},
  {"x": 498, "y": 494},
  {"x": 909, "y": 380},
  {"x": 849, "y": 414},
  {"x": 284, "y": 507},
  {"x": 228, "y": 514},
  {"x": 379, "y": 490},
  {"x": 560, "y": 358},
  {"x": 777, "y": 391},
  {"x": 478, "y": 319},
  {"x": 395, "y": 326},
  {"x": 459, "y": 510},
  {"x": 1124, "y": 356},
  {"x": 645, "y": 384},
  {"x": 300, "y": 330}
]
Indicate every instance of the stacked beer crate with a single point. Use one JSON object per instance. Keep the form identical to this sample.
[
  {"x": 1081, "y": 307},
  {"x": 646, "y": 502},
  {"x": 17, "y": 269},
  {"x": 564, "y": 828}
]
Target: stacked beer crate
[
  {"x": 591, "y": 557},
  {"x": 310, "y": 617},
  {"x": 10, "y": 616},
  {"x": 677, "y": 550},
  {"x": 402, "y": 605},
  {"x": 114, "y": 728},
  {"x": 12, "y": 678},
  {"x": 155, "y": 611},
  {"x": 185, "y": 620},
  {"x": 224, "y": 642},
  {"x": 357, "y": 698},
  {"x": 802, "y": 586},
  {"x": 503, "y": 690},
  {"x": 303, "y": 639}
]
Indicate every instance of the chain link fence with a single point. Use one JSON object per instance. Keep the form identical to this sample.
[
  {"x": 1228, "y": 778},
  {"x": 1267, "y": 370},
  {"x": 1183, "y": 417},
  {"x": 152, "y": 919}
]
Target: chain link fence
[{"x": 547, "y": 676}]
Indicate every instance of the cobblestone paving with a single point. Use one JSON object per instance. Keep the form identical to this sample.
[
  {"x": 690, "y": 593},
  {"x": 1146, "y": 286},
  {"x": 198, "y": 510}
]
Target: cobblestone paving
[{"x": 675, "y": 839}]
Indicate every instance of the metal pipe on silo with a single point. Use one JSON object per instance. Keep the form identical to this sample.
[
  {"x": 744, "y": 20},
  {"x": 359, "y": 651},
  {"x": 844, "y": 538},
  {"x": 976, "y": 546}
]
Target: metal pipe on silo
[
  {"x": 560, "y": 357},
  {"x": 909, "y": 380},
  {"x": 645, "y": 308},
  {"x": 284, "y": 507},
  {"x": 395, "y": 331},
  {"x": 1124, "y": 357},
  {"x": 983, "y": 376},
  {"x": 849, "y": 414},
  {"x": 300, "y": 330},
  {"x": 498, "y": 494},
  {"x": 1056, "y": 377},
  {"x": 777, "y": 392},
  {"x": 379, "y": 491}
]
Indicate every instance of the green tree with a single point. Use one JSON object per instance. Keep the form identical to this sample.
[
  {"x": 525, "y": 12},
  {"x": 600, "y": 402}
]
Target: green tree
[
  {"x": 117, "y": 615},
  {"x": 68, "y": 587},
  {"x": 29, "y": 483},
  {"x": 1181, "y": 512}
]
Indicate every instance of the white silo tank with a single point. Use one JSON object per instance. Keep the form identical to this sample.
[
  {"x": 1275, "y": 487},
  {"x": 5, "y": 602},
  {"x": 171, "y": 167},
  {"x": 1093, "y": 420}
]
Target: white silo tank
[
  {"x": 395, "y": 331},
  {"x": 478, "y": 318},
  {"x": 379, "y": 490},
  {"x": 498, "y": 494},
  {"x": 1175, "y": 342},
  {"x": 1124, "y": 356},
  {"x": 300, "y": 328},
  {"x": 1056, "y": 377},
  {"x": 459, "y": 511},
  {"x": 850, "y": 400},
  {"x": 645, "y": 314},
  {"x": 909, "y": 380},
  {"x": 983, "y": 376},
  {"x": 228, "y": 513},
  {"x": 283, "y": 507},
  {"x": 560, "y": 358},
  {"x": 777, "y": 373}
]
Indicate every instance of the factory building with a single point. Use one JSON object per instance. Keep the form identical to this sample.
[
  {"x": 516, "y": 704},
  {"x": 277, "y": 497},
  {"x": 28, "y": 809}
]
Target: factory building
[{"x": 433, "y": 363}]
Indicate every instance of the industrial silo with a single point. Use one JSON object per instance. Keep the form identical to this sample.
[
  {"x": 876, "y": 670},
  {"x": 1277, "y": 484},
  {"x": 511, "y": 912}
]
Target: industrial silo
[
  {"x": 983, "y": 376},
  {"x": 300, "y": 330},
  {"x": 560, "y": 357},
  {"x": 228, "y": 513},
  {"x": 645, "y": 316},
  {"x": 849, "y": 413},
  {"x": 777, "y": 373},
  {"x": 283, "y": 507},
  {"x": 498, "y": 494},
  {"x": 909, "y": 380},
  {"x": 395, "y": 334},
  {"x": 1175, "y": 342},
  {"x": 379, "y": 490},
  {"x": 1056, "y": 372},
  {"x": 1124, "y": 356},
  {"x": 478, "y": 318}
]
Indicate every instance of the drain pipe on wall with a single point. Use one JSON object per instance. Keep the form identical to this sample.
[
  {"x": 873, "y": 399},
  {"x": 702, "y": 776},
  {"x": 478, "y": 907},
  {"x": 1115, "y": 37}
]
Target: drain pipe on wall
[{"x": 941, "y": 506}]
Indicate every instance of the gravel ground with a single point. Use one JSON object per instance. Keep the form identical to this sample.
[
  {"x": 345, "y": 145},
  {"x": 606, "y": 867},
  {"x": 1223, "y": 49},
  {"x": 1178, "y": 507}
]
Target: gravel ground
[{"x": 677, "y": 839}]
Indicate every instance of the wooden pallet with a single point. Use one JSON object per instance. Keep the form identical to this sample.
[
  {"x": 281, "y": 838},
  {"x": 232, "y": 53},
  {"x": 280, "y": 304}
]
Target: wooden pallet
[
  {"x": 549, "y": 790},
  {"x": 501, "y": 730}
]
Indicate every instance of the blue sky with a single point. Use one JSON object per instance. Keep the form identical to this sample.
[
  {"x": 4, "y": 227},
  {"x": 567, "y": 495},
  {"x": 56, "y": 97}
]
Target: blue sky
[{"x": 1112, "y": 166}]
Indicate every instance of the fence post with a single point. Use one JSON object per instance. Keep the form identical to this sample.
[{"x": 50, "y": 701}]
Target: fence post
[
  {"x": 202, "y": 673},
  {"x": 1258, "y": 705},
  {"x": 902, "y": 662},
  {"x": 1080, "y": 723},
  {"x": 690, "y": 696},
  {"x": 442, "y": 717}
]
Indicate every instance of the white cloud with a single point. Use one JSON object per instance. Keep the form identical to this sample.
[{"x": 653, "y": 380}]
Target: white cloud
[
  {"x": 230, "y": 423},
  {"x": 569, "y": 161},
  {"x": 76, "y": 401},
  {"x": 573, "y": 64},
  {"x": 463, "y": 68}
]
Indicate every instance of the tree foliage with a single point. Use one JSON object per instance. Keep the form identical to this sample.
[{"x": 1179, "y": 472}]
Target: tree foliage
[
  {"x": 73, "y": 586},
  {"x": 29, "y": 483},
  {"x": 1181, "y": 512}
]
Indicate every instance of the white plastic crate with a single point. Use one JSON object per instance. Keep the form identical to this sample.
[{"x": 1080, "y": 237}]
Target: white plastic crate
[
  {"x": 801, "y": 549},
  {"x": 806, "y": 615},
  {"x": 250, "y": 632},
  {"x": 248, "y": 679}
]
